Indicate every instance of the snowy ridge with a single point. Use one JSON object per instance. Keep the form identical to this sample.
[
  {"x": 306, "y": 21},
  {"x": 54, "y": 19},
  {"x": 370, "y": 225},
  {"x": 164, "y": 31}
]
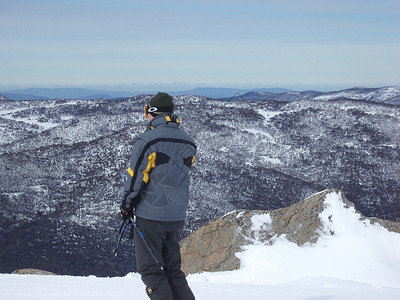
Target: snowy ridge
[
  {"x": 379, "y": 95},
  {"x": 389, "y": 95}
]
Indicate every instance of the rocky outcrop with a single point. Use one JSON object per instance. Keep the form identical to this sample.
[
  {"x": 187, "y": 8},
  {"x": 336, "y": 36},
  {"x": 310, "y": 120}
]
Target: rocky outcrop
[
  {"x": 29, "y": 271},
  {"x": 213, "y": 246}
]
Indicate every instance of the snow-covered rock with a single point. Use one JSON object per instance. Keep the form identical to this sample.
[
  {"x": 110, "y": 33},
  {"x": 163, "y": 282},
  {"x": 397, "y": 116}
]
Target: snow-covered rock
[{"x": 219, "y": 245}]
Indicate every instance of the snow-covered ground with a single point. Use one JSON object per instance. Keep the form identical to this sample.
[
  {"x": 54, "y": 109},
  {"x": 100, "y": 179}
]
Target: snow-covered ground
[
  {"x": 353, "y": 259},
  {"x": 35, "y": 287}
]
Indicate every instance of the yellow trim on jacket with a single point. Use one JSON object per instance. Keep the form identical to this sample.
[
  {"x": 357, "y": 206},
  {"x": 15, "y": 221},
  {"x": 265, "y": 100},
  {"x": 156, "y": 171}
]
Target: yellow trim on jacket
[{"x": 152, "y": 159}]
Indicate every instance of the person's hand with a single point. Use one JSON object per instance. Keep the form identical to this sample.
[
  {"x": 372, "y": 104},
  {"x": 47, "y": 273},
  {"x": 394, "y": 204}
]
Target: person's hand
[{"x": 126, "y": 213}]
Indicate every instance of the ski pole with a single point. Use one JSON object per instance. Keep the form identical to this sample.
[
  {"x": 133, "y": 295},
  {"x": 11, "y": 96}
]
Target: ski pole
[
  {"x": 121, "y": 233},
  {"x": 147, "y": 244}
]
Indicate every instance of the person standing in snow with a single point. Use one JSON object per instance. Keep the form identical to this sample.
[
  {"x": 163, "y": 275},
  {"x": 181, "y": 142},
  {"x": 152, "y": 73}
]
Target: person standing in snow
[{"x": 156, "y": 192}]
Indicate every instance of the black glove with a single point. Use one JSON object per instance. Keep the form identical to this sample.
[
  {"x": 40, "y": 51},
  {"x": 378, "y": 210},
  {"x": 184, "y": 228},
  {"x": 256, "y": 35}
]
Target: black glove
[{"x": 126, "y": 213}]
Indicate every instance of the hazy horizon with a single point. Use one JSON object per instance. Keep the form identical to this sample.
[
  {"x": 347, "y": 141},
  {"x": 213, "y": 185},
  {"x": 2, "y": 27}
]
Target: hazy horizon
[{"x": 175, "y": 88}]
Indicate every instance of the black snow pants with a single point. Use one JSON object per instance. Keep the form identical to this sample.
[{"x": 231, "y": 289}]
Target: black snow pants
[{"x": 168, "y": 283}]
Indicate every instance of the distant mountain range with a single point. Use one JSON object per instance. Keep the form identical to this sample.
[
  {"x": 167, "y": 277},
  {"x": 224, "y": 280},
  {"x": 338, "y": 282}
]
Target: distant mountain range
[
  {"x": 390, "y": 94},
  {"x": 217, "y": 93},
  {"x": 85, "y": 94},
  {"x": 62, "y": 164},
  {"x": 63, "y": 93},
  {"x": 2, "y": 98}
]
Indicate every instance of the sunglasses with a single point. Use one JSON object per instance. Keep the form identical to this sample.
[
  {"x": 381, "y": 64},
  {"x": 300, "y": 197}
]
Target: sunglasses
[{"x": 148, "y": 110}]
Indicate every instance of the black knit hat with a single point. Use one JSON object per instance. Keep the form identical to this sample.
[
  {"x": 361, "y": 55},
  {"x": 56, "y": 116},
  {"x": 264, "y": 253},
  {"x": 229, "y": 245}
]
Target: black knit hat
[{"x": 163, "y": 102}]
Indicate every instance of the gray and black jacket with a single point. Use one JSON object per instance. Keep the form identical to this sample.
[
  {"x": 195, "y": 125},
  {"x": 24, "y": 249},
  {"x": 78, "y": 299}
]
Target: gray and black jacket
[{"x": 157, "y": 182}]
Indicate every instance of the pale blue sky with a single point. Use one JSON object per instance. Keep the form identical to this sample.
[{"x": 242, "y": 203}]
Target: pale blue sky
[{"x": 123, "y": 44}]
